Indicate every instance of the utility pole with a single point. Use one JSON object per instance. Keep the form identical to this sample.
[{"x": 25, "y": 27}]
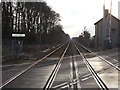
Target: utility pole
[
  {"x": 106, "y": 33},
  {"x": 104, "y": 26},
  {"x": 110, "y": 23}
]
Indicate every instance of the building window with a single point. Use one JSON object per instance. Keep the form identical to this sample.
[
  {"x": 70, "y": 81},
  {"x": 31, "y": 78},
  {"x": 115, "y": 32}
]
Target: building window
[{"x": 113, "y": 29}]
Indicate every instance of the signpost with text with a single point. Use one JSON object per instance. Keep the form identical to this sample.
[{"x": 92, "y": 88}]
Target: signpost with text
[{"x": 17, "y": 45}]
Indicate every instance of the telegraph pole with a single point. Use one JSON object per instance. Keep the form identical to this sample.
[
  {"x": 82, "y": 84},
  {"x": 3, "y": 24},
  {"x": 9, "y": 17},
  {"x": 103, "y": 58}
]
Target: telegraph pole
[
  {"x": 110, "y": 24},
  {"x": 106, "y": 33},
  {"x": 104, "y": 25}
]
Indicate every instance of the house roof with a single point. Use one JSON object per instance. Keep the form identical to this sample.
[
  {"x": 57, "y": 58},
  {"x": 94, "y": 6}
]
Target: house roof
[{"x": 102, "y": 19}]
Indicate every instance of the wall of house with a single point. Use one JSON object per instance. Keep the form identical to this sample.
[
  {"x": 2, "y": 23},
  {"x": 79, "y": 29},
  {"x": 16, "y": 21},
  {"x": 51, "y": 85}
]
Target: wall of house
[
  {"x": 101, "y": 36},
  {"x": 98, "y": 34},
  {"x": 114, "y": 32}
]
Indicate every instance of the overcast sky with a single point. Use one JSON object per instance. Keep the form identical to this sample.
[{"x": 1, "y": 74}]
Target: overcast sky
[{"x": 76, "y": 14}]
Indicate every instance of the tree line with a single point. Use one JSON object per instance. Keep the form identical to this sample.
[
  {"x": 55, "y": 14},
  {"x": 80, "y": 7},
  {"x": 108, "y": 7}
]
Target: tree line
[
  {"x": 35, "y": 19},
  {"x": 85, "y": 39}
]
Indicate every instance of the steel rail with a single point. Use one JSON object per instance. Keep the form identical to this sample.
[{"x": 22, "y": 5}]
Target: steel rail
[
  {"x": 94, "y": 74},
  {"x": 75, "y": 75},
  {"x": 114, "y": 66},
  {"x": 55, "y": 71},
  {"x": 17, "y": 65},
  {"x": 74, "y": 82},
  {"x": 23, "y": 71},
  {"x": 9, "y": 65}
]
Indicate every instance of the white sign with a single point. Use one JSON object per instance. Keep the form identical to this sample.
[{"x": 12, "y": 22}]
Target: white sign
[{"x": 18, "y": 35}]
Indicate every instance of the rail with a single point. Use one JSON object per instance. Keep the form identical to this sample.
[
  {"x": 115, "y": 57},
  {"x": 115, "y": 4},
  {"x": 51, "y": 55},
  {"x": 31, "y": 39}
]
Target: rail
[
  {"x": 25, "y": 70},
  {"x": 55, "y": 70},
  {"x": 114, "y": 66},
  {"x": 94, "y": 74}
]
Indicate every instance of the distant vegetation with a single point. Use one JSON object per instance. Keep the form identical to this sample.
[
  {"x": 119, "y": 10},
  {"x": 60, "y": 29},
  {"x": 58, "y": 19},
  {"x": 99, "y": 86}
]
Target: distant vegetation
[
  {"x": 36, "y": 19},
  {"x": 56, "y": 35},
  {"x": 86, "y": 39}
]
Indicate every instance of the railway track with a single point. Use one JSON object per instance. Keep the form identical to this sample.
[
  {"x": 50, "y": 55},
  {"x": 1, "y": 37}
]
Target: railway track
[
  {"x": 77, "y": 79},
  {"x": 102, "y": 71},
  {"x": 21, "y": 72},
  {"x": 115, "y": 65},
  {"x": 75, "y": 82},
  {"x": 55, "y": 70},
  {"x": 72, "y": 70},
  {"x": 96, "y": 77}
]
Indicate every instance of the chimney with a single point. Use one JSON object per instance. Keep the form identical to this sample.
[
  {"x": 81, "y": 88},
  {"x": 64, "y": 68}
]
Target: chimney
[
  {"x": 106, "y": 13},
  {"x": 119, "y": 9}
]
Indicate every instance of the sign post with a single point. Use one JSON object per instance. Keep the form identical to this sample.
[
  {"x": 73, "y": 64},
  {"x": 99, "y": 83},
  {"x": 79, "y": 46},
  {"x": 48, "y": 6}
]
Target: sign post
[{"x": 17, "y": 45}]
